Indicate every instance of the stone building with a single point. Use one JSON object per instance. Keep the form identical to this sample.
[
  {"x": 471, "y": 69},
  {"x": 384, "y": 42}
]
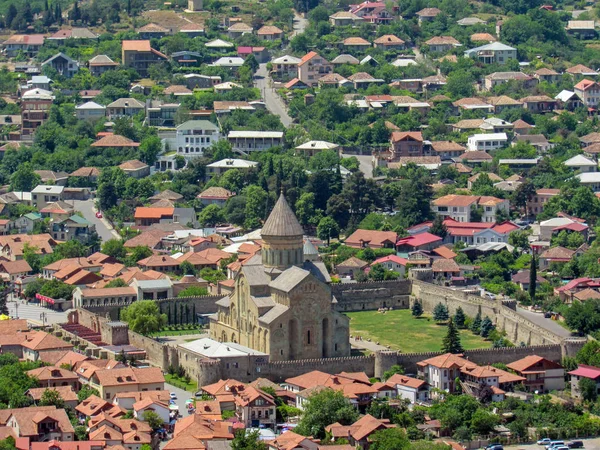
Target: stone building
[{"x": 282, "y": 303}]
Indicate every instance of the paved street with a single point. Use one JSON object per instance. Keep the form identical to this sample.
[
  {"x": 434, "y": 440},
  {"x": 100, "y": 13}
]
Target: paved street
[
  {"x": 270, "y": 97},
  {"x": 103, "y": 227},
  {"x": 548, "y": 324},
  {"x": 589, "y": 444},
  {"x": 182, "y": 396},
  {"x": 33, "y": 312}
]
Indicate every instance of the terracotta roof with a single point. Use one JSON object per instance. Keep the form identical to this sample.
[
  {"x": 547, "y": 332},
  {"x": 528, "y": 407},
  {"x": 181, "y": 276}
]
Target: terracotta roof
[
  {"x": 269, "y": 30},
  {"x": 406, "y": 136},
  {"x": 447, "y": 146},
  {"x": 519, "y": 123},
  {"x": 138, "y": 46},
  {"x": 428, "y": 12},
  {"x": 65, "y": 392},
  {"x": 468, "y": 123},
  {"x": 331, "y": 78},
  {"x": 361, "y": 76},
  {"x": 388, "y": 39},
  {"x": 28, "y": 419},
  {"x": 152, "y": 28},
  {"x": 353, "y": 261},
  {"x": 478, "y": 37},
  {"x": 52, "y": 373},
  {"x": 44, "y": 341},
  {"x": 158, "y": 261},
  {"x": 215, "y": 192},
  {"x": 477, "y": 155},
  {"x": 356, "y": 41},
  {"x": 587, "y": 294},
  {"x": 372, "y": 237},
  {"x": 86, "y": 172},
  {"x": 403, "y": 380},
  {"x": 15, "y": 267},
  {"x": 442, "y": 40},
  {"x": 558, "y": 252},
  {"x": 445, "y": 265},
  {"x": 129, "y": 375},
  {"x": 444, "y": 252},
  {"x": 150, "y": 238},
  {"x": 523, "y": 364},
  {"x": 177, "y": 89},
  {"x": 456, "y": 200},
  {"x": 580, "y": 69},
  {"x": 115, "y": 140},
  {"x": 142, "y": 212}
]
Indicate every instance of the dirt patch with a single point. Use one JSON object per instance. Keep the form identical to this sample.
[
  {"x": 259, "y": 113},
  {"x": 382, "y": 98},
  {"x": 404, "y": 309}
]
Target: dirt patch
[{"x": 172, "y": 19}]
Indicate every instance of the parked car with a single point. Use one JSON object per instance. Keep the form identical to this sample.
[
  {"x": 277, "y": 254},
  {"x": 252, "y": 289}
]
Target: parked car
[
  {"x": 544, "y": 441},
  {"x": 99, "y": 215},
  {"x": 494, "y": 447},
  {"x": 575, "y": 444},
  {"x": 554, "y": 444},
  {"x": 173, "y": 396}
]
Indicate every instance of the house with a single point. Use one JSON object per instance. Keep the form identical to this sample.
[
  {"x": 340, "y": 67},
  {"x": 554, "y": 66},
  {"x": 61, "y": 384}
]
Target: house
[
  {"x": 588, "y": 91},
  {"x": 135, "y": 168},
  {"x": 568, "y": 100},
  {"x": 285, "y": 67},
  {"x": 124, "y": 107},
  {"x": 584, "y": 371},
  {"x": 148, "y": 404},
  {"x": 541, "y": 374},
  {"x": 372, "y": 12},
  {"x": 66, "y": 393},
  {"x": 427, "y": 14},
  {"x": 288, "y": 439},
  {"x": 523, "y": 279},
  {"x": 139, "y": 55},
  {"x": 74, "y": 227},
  {"x": 220, "y": 167},
  {"x": 311, "y": 148},
  {"x": 40, "y": 423},
  {"x": 35, "y": 107},
  {"x": 38, "y": 343},
  {"x": 100, "y": 64},
  {"x": 356, "y": 44},
  {"x": 539, "y": 103},
  {"x": 160, "y": 113},
  {"x": 460, "y": 207},
  {"x": 492, "y": 177},
  {"x": 555, "y": 255},
  {"x": 219, "y": 45},
  {"x": 393, "y": 263},
  {"x": 63, "y": 64},
  {"x": 581, "y": 164},
  {"x": 494, "y": 79},
  {"x": 90, "y": 111},
  {"x": 371, "y": 239},
  {"x": 52, "y": 376},
  {"x": 442, "y": 44},
  {"x": 582, "y": 29},
  {"x": 215, "y": 195},
  {"x": 360, "y": 432},
  {"x": 146, "y": 216},
  {"x": 28, "y": 44},
  {"x": 270, "y": 33},
  {"x": 496, "y": 52},
  {"x": 422, "y": 241},
  {"x": 547, "y": 75},
  {"x": 447, "y": 150},
  {"x": 471, "y": 103},
  {"x": 103, "y": 297},
  {"x": 193, "y": 137},
  {"x": 445, "y": 268},
  {"x": 579, "y": 70},
  {"x": 482, "y": 37},
  {"x": 196, "y": 81},
  {"x": 109, "y": 382},
  {"x": 538, "y": 141},
  {"x": 406, "y": 143},
  {"x": 311, "y": 67},
  {"x": 13, "y": 270},
  {"x": 115, "y": 141},
  {"x": 522, "y": 127},
  {"x": 487, "y": 141},
  {"x": 26, "y": 222},
  {"x": 231, "y": 63},
  {"x": 409, "y": 388},
  {"x": 177, "y": 90},
  {"x": 12, "y": 246},
  {"x": 389, "y": 42},
  {"x": 249, "y": 141},
  {"x": 42, "y": 195},
  {"x": 470, "y": 21},
  {"x": 238, "y": 29},
  {"x": 51, "y": 177},
  {"x": 126, "y": 400},
  {"x": 591, "y": 179},
  {"x": 535, "y": 204},
  {"x": 349, "y": 267},
  {"x": 344, "y": 19}
]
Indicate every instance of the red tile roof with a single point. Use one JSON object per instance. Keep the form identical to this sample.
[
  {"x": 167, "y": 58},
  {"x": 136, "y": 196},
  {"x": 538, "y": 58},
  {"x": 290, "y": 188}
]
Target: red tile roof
[
  {"x": 419, "y": 239},
  {"x": 586, "y": 372}
]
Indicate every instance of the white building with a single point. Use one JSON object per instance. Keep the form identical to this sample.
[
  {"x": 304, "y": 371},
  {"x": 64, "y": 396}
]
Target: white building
[
  {"x": 487, "y": 142},
  {"x": 591, "y": 179},
  {"x": 43, "y": 194},
  {"x": 251, "y": 141},
  {"x": 411, "y": 389},
  {"x": 220, "y": 167},
  {"x": 90, "y": 111},
  {"x": 581, "y": 163},
  {"x": 195, "y": 136}
]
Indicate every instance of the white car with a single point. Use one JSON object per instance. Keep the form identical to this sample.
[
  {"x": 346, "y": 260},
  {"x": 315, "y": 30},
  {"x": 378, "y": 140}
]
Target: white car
[
  {"x": 173, "y": 396},
  {"x": 544, "y": 441}
]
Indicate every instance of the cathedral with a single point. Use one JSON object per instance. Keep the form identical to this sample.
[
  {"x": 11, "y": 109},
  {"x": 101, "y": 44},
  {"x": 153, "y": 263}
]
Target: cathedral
[{"x": 282, "y": 304}]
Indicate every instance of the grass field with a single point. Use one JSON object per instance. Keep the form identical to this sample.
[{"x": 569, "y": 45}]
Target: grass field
[
  {"x": 192, "y": 386},
  {"x": 401, "y": 331},
  {"x": 177, "y": 332}
]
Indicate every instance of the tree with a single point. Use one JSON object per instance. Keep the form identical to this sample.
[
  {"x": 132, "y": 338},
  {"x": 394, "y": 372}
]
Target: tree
[
  {"x": 116, "y": 283},
  {"x": 114, "y": 248},
  {"x": 211, "y": 216},
  {"x": 395, "y": 369},
  {"x": 251, "y": 63},
  {"x": 476, "y": 324},
  {"x": 187, "y": 268},
  {"x": 451, "y": 342},
  {"x": 144, "y": 317},
  {"x": 390, "y": 439},
  {"x": 440, "y": 313},
  {"x": 324, "y": 408},
  {"x": 256, "y": 201},
  {"x": 533, "y": 278},
  {"x": 588, "y": 389},
  {"x": 327, "y": 229},
  {"x": 483, "y": 422},
  {"x": 107, "y": 195},
  {"x": 51, "y": 397},
  {"x": 85, "y": 392},
  {"x": 153, "y": 419},
  {"x": 438, "y": 228},
  {"x": 247, "y": 440},
  {"x": 377, "y": 272},
  {"x": 459, "y": 318},
  {"x": 194, "y": 291},
  {"x": 460, "y": 84},
  {"x": 149, "y": 149},
  {"x": 417, "y": 309},
  {"x": 24, "y": 179},
  {"x": 486, "y": 327}
]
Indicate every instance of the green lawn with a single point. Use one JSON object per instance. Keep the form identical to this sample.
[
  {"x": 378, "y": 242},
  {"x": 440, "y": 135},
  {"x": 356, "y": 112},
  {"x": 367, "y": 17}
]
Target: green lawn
[
  {"x": 192, "y": 386},
  {"x": 401, "y": 331},
  {"x": 178, "y": 332}
]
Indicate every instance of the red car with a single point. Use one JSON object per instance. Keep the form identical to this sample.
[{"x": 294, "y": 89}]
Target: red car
[{"x": 99, "y": 215}]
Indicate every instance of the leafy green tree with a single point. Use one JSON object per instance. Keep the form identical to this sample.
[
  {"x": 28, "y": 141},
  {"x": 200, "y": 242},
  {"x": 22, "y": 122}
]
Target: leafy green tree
[
  {"x": 377, "y": 272},
  {"x": 194, "y": 291},
  {"x": 51, "y": 397},
  {"x": 440, "y": 313},
  {"x": 390, "y": 439},
  {"x": 211, "y": 215},
  {"x": 451, "y": 342},
  {"x": 417, "y": 309},
  {"x": 459, "y": 318},
  {"x": 114, "y": 248},
  {"x": 137, "y": 254},
  {"x": 153, "y": 419},
  {"x": 247, "y": 440},
  {"x": 327, "y": 229},
  {"x": 588, "y": 389},
  {"x": 256, "y": 201},
  {"x": 486, "y": 327},
  {"x": 107, "y": 195},
  {"x": 476, "y": 324},
  {"x": 483, "y": 422},
  {"x": 324, "y": 408},
  {"x": 117, "y": 282},
  {"x": 438, "y": 228},
  {"x": 395, "y": 369},
  {"x": 149, "y": 149},
  {"x": 85, "y": 392},
  {"x": 144, "y": 317},
  {"x": 187, "y": 268},
  {"x": 24, "y": 179}
]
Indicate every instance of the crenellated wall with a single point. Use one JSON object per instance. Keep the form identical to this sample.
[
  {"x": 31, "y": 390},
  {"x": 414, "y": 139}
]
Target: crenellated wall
[{"x": 372, "y": 295}]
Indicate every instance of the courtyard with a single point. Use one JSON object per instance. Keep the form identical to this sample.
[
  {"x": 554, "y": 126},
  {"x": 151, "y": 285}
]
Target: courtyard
[{"x": 401, "y": 331}]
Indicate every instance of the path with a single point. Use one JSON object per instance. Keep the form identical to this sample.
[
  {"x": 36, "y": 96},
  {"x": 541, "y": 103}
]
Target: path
[
  {"x": 33, "y": 313},
  {"x": 540, "y": 320},
  {"x": 181, "y": 339},
  {"x": 103, "y": 226},
  {"x": 366, "y": 345},
  {"x": 270, "y": 97},
  {"x": 300, "y": 23}
]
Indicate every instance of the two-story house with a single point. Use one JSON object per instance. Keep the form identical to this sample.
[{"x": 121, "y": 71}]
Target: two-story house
[
  {"x": 28, "y": 44},
  {"x": 40, "y": 423},
  {"x": 244, "y": 142},
  {"x": 139, "y": 55},
  {"x": 124, "y": 107},
  {"x": 406, "y": 143},
  {"x": 193, "y": 137},
  {"x": 73, "y": 228},
  {"x": 584, "y": 371},
  {"x": 494, "y": 53},
  {"x": 35, "y": 107},
  {"x": 42, "y": 195},
  {"x": 540, "y": 373},
  {"x": 588, "y": 91},
  {"x": 63, "y": 64},
  {"x": 109, "y": 382},
  {"x": 311, "y": 67}
]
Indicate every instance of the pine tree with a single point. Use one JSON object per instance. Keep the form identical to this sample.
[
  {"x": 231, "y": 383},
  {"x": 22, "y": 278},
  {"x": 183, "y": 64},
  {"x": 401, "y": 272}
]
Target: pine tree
[
  {"x": 451, "y": 342},
  {"x": 11, "y": 13},
  {"x": 486, "y": 327},
  {"x": 532, "y": 279},
  {"x": 438, "y": 228},
  {"x": 440, "y": 313},
  {"x": 476, "y": 325},
  {"x": 459, "y": 318},
  {"x": 417, "y": 309}
]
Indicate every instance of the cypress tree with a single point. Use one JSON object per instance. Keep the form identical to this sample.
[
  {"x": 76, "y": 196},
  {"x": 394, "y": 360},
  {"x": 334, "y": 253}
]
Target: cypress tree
[
  {"x": 459, "y": 318},
  {"x": 417, "y": 309},
  {"x": 451, "y": 342},
  {"x": 169, "y": 314},
  {"x": 175, "y": 314},
  {"x": 486, "y": 327},
  {"x": 181, "y": 313},
  {"x": 532, "y": 278},
  {"x": 476, "y": 325}
]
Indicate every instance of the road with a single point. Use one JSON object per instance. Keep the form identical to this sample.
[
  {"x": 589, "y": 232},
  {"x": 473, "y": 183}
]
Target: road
[
  {"x": 589, "y": 444},
  {"x": 300, "y": 23},
  {"x": 182, "y": 396},
  {"x": 103, "y": 227},
  {"x": 270, "y": 97},
  {"x": 548, "y": 324},
  {"x": 33, "y": 313}
]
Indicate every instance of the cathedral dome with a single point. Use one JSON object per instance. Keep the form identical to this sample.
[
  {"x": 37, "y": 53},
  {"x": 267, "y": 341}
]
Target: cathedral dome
[{"x": 282, "y": 221}]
